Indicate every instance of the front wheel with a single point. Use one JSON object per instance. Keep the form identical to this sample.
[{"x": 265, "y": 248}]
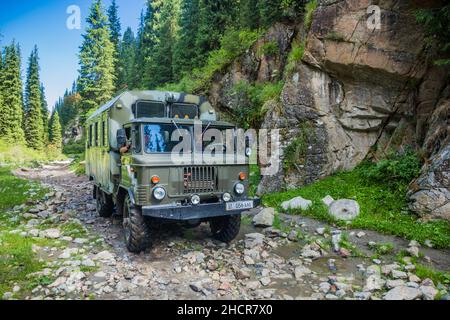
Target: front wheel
[
  {"x": 226, "y": 228},
  {"x": 137, "y": 232}
]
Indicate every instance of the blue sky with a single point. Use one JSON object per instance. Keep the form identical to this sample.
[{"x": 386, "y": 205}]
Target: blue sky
[{"x": 43, "y": 23}]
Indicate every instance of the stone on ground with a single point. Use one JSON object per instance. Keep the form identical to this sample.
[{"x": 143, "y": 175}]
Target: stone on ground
[
  {"x": 264, "y": 218},
  {"x": 297, "y": 203},
  {"x": 344, "y": 209}
]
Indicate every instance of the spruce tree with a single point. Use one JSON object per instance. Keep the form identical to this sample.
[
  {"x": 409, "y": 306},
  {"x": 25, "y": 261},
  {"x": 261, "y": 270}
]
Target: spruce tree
[
  {"x": 127, "y": 59},
  {"x": 184, "y": 51},
  {"x": 249, "y": 15},
  {"x": 33, "y": 123},
  {"x": 270, "y": 11},
  {"x": 159, "y": 63},
  {"x": 147, "y": 43},
  {"x": 115, "y": 35},
  {"x": 215, "y": 17},
  {"x": 11, "y": 87},
  {"x": 45, "y": 114},
  {"x": 55, "y": 130},
  {"x": 138, "y": 70},
  {"x": 97, "y": 77}
]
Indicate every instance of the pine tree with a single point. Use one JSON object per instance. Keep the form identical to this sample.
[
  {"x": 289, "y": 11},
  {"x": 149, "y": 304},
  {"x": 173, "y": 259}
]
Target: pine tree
[
  {"x": 270, "y": 11},
  {"x": 249, "y": 15},
  {"x": 45, "y": 114},
  {"x": 158, "y": 64},
  {"x": 215, "y": 17},
  {"x": 127, "y": 58},
  {"x": 33, "y": 123},
  {"x": 55, "y": 130},
  {"x": 185, "y": 52},
  {"x": 147, "y": 41},
  {"x": 138, "y": 71},
  {"x": 11, "y": 110},
  {"x": 115, "y": 35},
  {"x": 96, "y": 83}
]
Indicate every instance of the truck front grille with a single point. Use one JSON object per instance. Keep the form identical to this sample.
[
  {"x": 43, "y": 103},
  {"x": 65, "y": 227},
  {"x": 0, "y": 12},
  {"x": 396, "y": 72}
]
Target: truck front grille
[{"x": 200, "y": 179}]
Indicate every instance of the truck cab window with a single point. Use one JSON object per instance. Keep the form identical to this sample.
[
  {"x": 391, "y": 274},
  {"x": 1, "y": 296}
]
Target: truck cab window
[{"x": 136, "y": 139}]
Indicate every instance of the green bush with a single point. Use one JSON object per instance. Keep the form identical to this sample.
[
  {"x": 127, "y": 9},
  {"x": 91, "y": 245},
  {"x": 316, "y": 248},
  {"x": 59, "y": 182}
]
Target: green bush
[
  {"x": 309, "y": 10},
  {"x": 399, "y": 169},
  {"x": 270, "y": 49},
  {"x": 295, "y": 152},
  {"x": 18, "y": 154},
  {"x": 233, "y": 44},
  {"x": 251, "y": 114},
  {"x": 74, "y": 148},
  {"x": 295, "y": 56}
]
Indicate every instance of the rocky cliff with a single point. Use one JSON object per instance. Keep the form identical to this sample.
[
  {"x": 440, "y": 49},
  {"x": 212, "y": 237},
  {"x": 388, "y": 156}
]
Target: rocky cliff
[{"x": 357, "y": 92}]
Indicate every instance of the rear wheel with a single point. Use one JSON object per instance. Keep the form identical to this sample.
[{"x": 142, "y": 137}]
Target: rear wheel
[
  {"x": 226, "y": 228},
  {"x": 105, "y": 204},
  {"x": 137, "y": 232}
]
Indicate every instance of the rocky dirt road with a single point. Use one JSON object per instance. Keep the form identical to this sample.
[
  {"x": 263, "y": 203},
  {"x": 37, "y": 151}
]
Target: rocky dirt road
[{"x": 90, "y": 261}]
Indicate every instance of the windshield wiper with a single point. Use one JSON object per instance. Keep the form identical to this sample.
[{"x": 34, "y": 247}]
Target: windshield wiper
[
  {"x": 207, "y": 127},
  {"x": 176, "y": 126}
]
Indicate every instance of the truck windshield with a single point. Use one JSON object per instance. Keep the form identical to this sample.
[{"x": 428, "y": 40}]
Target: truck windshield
[{"x": 158, "y": 137}]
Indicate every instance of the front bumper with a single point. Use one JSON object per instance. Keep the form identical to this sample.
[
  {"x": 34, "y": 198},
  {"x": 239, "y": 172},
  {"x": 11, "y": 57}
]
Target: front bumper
[{"x": 191, "y": 212}]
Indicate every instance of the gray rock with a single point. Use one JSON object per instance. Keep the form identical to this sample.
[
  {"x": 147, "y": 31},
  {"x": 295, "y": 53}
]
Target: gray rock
[
  {"x": 265, "y": 281},
  {"x": 264, "y": 218},
  {"x": 373, "y": 283},
  {"x": 403, "y": 293},
  {"x": 396, "y": 274},
  {"x": 394, "y": 283},
  {"x": 362, "y": 295},
  {"x": 344, "y": 209},
  {"x": 428, "y": 292},
  {"x": 52, "y": 233},
  {"x": 297, "y": 203},
  {"x": 328, "y": 200},
  {"x": 301, "y": 271}
]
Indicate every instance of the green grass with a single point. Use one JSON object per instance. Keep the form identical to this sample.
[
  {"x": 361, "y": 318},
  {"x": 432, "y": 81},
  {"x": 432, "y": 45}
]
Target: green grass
[
  {"x": 17, "y": 260},
  {"x": 15, "y": 191},
  {"x": 383, "y": 206},
  {"x": 16, "y": 154},
  {"x": 424, "y": 272},
  {"x": 384, "y": 248}
]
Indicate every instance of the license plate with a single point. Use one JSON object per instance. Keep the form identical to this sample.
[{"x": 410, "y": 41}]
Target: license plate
[{"x": 239, "y": 205}]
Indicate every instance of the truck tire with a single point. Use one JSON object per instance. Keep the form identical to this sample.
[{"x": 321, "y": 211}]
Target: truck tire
[
  {"x": 226, "y": 228},
  {"x": 105, "y": 204},
  {"x": 136, "y": 230}
]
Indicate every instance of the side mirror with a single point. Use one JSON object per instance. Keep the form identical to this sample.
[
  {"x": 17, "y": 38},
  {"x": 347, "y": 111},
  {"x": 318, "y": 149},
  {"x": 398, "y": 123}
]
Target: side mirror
[{"x": 121, "y": 138}]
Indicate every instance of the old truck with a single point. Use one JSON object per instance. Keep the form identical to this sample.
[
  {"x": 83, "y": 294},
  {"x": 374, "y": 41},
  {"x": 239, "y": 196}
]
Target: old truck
[{"x": 130, "y": 146}]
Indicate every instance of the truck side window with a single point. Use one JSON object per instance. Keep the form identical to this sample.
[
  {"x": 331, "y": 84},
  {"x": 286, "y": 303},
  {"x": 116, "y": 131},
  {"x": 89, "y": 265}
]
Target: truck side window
[
  {"x": 96, "y": 134},
  {"x": 104, "y": 133},
  {"x": 90, "y": 136}
]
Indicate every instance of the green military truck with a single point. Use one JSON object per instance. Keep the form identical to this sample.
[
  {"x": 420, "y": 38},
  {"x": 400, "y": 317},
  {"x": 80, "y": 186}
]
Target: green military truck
[{"x": 129, "y": 156}]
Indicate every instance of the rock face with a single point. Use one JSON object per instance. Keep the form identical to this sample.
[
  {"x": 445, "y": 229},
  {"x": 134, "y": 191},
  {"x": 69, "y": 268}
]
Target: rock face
[
  {"x": 430, "y": 195},
  {"x": 355, "y": 88}
]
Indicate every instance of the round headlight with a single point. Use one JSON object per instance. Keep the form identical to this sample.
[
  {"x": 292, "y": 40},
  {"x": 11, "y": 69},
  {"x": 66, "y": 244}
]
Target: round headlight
[
  {"x": 159, "y": 193},
  {"x": 239, "y": 188},
  {"x": 248, "y": 152},
  {"x": 195, "y": 200},
  {"x": 226, "y": 197}
]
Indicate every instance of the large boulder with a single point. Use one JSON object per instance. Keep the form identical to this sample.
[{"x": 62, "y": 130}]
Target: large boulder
[
  {"x": 297, "y": 203},
  {"x": 430, "y": 193}
]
